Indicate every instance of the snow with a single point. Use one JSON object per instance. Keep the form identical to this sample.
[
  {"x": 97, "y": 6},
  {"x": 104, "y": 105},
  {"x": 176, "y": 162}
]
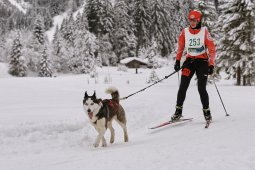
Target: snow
[
  {"x": 127, "y": 60},
  {"x": 80, "y": 10},
  {"x": 43, "y": 125},
  {"x": 19, "y": 5},
  {"x": 4, "y": 70},
  {"x": 57, "y": 21}
]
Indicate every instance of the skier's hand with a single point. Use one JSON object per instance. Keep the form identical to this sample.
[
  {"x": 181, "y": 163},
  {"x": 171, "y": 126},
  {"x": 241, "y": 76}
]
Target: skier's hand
[
  {"x": 210, "y": 70},
  {"x": 177, "y": 65}
]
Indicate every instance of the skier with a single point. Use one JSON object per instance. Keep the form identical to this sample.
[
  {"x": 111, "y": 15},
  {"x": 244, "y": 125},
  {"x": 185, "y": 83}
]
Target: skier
[{"x": 199, "y": 59}]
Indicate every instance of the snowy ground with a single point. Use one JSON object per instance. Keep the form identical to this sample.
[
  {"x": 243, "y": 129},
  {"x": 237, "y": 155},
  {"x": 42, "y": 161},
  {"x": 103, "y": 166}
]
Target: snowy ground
[{"x": 43, "y": 126}]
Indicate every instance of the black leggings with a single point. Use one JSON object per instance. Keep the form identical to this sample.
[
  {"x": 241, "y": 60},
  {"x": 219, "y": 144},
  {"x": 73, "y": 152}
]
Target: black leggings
[{"x": 200, "y": 66}]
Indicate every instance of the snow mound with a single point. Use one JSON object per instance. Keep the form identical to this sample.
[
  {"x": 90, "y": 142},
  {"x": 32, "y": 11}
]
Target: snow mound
[{"x": 30, "y": 136}]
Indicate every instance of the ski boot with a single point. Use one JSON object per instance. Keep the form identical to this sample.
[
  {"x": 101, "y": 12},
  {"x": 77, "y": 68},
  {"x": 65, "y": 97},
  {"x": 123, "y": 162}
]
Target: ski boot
[
  {"x": 177, "y": 115},
  {"x": 207, "y": 115}
]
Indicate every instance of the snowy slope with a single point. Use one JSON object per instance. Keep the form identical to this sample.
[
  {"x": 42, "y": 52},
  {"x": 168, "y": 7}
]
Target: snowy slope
[
  {"x": 43, "y": 126},
  {"x": 20, "y": 5},
  {"x": 57, "y": 21}
]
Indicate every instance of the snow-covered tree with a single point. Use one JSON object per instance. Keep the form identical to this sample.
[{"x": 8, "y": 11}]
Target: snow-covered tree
[
  {"x": 236, "y": 48},
  {"x": 123, "y": 39},
  {"x": 153, "y": 77},
  {"x": 45, "y": 66},
  {"x": 36, "y": 44},
  {"x": 105, "y": 52},
  {"x": 81, "y": 21},
  {"x": 64, "y": 45},
  {"x": 100, "y": 16},
  {"x": 166, "y": 24},
  {"x": 67, "y": 30},
  {"x": 39, "y": 30},
  {"x": 58, "y": 52},
  {"x": 85, "y": 47},
  {"x": 152, "y": 55},
  {"x": 210, "y": 16},
  {"x": 142, "y": 20},
  {"x": 17, "y": 61}
]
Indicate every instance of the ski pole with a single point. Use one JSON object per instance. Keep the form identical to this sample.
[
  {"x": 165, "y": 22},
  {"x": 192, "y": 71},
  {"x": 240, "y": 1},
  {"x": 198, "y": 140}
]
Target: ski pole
[
  {"x": 220, "y": 98},
  {"x": 184, "y": 65}
]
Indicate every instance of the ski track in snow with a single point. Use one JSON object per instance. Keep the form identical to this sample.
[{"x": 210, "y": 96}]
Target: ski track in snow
[{"x": 43, "y": 125}]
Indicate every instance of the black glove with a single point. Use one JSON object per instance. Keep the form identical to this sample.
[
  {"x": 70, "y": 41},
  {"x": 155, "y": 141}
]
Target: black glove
[
  {"x": 177, "y": 65},
  {"x": 210, "y": 69}
]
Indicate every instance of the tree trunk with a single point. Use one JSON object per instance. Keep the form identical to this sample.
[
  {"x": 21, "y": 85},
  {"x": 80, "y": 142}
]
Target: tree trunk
[
  {"x": 249, "y": 80},
  {"x": 238, "y": 76},
  {"x": 216, "y": 3},
  {"x": 244, "y": 80}
]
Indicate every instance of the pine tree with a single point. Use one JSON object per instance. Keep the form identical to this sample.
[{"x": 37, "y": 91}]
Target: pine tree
[
  {"x": 105, "y": 52},
  {"x": 17, "y": 61},
  {"x": 163, "y": 32},
  {"x": 37, "y": 44},
  {"x": 100, "y": 16},
  {"x": 85, "y": 47},
  {"x": 67, "y": 30},
  {"x": 236, "y": 50},
  {"x": 209, "y": 16},
  {"x": 124, "y": 41},
  {"x": 142, "y": 21},
  {"x": 152, "y": 54},
  {"x": 45, "y": 66},
  {"x": 81, "y": 21},
  {"x": 58, "y": 52},
  {"x": 153, "y": 77},
  {"x": 64, "y": 44},
  {"x": 39, "y": 30},
  {"x": 91, "y": 10},
  {"x": 106, "y": 16}
]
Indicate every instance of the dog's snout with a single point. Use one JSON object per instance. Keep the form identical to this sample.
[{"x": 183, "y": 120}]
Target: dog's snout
[{"x": 89, "y": 110}]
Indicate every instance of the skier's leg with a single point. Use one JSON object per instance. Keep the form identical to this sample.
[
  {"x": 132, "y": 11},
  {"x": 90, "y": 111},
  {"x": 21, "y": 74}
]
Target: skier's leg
[
  {"x": 202, "y": 75},
  {"x": 187, "y": 73}
]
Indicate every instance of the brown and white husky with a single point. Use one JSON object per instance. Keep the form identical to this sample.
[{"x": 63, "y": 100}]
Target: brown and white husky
[{"x": 102, "y": 112}]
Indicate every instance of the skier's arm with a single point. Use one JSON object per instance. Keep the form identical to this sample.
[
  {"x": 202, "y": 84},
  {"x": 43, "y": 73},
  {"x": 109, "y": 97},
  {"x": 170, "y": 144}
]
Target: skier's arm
[
  {"x": 211, "y": 47},
  {"x": 181, "y": 45}
]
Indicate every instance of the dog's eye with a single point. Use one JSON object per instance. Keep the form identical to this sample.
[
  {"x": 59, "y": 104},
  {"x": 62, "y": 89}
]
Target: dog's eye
[
  {"x": 92, "y": 104},
  {"x": 86, "y": 104}
]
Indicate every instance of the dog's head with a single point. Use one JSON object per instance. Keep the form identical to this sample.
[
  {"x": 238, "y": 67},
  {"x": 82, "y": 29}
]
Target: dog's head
[{"x": 91, "y": 104}]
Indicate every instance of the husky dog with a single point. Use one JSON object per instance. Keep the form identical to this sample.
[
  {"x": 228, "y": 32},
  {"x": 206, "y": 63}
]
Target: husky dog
[{"x": 102, "y": 112}]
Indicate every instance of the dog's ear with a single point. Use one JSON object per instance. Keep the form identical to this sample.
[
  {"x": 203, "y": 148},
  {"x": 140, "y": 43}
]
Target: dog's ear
[
  {"x": 94, "y": 95},
  {"x": 86, "y": 95}
]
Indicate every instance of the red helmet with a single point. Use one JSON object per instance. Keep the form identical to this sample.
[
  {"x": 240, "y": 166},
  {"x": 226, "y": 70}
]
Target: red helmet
[{"x": 194, "y": 14}]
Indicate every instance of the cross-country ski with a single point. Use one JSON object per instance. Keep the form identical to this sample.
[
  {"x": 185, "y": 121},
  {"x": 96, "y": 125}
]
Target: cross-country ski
[{"x": 170, "y": 122}]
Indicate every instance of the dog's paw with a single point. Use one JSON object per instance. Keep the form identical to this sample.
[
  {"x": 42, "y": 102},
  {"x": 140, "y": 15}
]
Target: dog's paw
[
  {"x": 104, "y": 145},
  {"x": 126, "y": 139},
  {"x": 112, "y": 140}
]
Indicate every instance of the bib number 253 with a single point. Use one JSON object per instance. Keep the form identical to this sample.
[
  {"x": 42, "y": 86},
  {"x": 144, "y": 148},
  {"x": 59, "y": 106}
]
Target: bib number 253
[{"x": 194, "y": 42}]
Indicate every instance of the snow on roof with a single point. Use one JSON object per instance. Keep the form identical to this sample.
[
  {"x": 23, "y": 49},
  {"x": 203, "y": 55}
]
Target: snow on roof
[{"x": 127, "y": 60}]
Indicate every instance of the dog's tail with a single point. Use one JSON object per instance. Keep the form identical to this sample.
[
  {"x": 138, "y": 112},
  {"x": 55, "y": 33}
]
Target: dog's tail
[{"x": 114, "y": 92}]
